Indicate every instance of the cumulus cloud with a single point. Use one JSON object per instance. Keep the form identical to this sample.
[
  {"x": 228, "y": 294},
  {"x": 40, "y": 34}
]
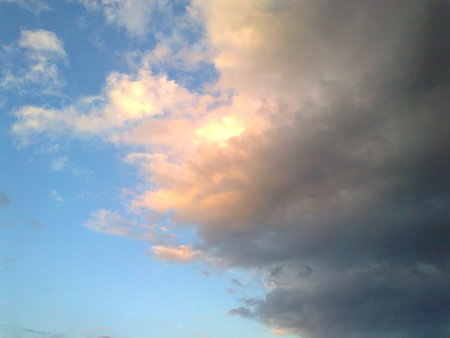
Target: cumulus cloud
[
  {"x": 127, "y": 101},
  {"x": 43, "y": 54},
  {"x": 325, "y": 169}
]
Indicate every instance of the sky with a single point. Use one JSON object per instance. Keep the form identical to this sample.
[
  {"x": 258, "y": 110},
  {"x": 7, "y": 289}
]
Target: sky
[{"x": 211, "y": 168}]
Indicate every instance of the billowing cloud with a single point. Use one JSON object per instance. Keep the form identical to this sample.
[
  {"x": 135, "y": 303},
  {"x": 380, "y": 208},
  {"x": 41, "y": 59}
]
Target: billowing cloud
[
  {"x": 127, "y": 101},
  {"x": 319, "y": 159}
]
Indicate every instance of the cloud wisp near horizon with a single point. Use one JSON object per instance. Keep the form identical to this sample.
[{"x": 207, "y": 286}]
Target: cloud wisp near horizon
[{"x": 305, "y": 142}]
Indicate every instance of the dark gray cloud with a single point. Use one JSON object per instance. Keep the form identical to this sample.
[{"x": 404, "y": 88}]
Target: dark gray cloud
[{"x": 347, "y": 206}]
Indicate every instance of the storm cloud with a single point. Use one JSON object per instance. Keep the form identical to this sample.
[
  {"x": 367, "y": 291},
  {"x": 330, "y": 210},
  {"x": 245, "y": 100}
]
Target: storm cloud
[{"x": 345, "y": 205}]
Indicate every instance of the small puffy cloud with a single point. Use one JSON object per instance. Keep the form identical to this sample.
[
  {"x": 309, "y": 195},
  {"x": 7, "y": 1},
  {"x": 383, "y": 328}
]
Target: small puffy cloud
[
  {"x": 176, "y": 254},
  {"x": 42, "y": 53},
  {"x": 41, "y": 40},
  {"x": 59, "y": 163}
]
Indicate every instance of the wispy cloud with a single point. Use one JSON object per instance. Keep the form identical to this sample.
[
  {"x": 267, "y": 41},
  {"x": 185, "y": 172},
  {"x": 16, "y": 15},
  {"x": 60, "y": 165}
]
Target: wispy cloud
[
  {"x": 35, "y": 6},
  {"x": 133, "y": 15},
  {"x": 112, "y": 222},
  {"x": 59, "y": 163},
  {"x": 43, "y": 53},
  {"x": 56, "y": 196}
]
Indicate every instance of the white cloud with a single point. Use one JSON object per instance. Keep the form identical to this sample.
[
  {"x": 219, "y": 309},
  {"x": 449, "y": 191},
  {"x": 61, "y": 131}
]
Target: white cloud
[
  {"x": 176, "y": 254},
  {"x": 41, "y": 40},
  {"x": 133, "y": 15},
  {"x": 128, "y": 101},
  {"x": 44, "y": 54}
]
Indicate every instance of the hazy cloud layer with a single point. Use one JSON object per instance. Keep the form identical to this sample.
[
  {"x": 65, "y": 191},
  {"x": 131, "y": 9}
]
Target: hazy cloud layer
[{"x": 326, "y": 169}]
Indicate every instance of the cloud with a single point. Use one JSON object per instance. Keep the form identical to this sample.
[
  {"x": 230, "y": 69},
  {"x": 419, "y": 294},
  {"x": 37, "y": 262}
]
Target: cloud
[
  {"x": 56, "y": 196},
  {"x": 113, "y": 223},
  {"x": 41, "y": 40},
  {"x": 4, "y": 200},
  {"x": 133, "y": 15},
  {"x": 40, "y": 53},
  {"x": 175, "y": 254},
  {"x": 31, "y": 5},
  {"x": 318, "y": 160},
  {"x": 109, "y": 222},
  {"x": 343, "y": 183},
  {"x": 127, "y": 101}
]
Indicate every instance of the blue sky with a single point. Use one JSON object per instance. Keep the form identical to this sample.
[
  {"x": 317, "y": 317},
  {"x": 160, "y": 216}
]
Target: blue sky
[{"x": 213, "y": 168}]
